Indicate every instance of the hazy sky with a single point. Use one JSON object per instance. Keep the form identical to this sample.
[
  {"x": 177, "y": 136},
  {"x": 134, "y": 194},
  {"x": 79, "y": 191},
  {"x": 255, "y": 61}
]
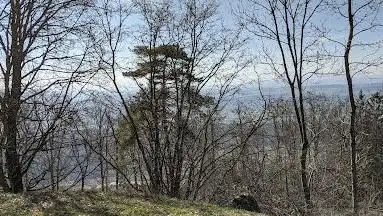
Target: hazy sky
[
  {"x": 335, "y": 24},
  {"x": 337, "y": 29}
]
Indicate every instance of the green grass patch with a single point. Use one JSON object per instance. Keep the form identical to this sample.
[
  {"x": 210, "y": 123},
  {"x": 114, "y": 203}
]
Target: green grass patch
[{"x": 107, "y": 204}]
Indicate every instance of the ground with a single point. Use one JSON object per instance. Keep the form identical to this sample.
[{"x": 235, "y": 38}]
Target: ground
[{"x": 107, "y": 204}]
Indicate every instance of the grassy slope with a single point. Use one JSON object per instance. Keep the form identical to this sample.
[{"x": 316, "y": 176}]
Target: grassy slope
[{"x": 92, "y": 203}]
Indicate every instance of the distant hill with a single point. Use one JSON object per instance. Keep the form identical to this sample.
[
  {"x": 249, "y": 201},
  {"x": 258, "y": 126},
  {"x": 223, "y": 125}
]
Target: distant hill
[{"x": 250, "y": 93}]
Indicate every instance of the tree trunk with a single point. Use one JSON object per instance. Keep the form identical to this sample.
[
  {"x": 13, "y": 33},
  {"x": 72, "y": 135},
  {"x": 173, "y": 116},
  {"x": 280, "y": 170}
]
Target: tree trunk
[
  {"x": 51, "y": 167},
  {"x": 102, "y": 173},
  {"x": 82, "y": 181},
  {"x": 305, "y": 150},
  {"x": 3, "y": 180},
  {"x": 58, "y": 169},
  {"x": 300, "y": 116},
  {"x": 12, "y": 157},
  {"x": 13, "y": 102},
  {"x": 352, "y": 132}
]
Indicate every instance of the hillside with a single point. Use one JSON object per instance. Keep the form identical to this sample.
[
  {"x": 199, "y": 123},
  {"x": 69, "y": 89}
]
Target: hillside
[{"x": 106, "y": 204}]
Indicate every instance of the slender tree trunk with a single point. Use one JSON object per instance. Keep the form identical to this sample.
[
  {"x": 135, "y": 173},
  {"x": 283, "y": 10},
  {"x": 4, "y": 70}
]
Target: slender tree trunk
[
  {"x": 82, "y": 181},
  {"x": 118, "y": 164},
  {"x": 117, "y": 180},
  {"x": 106, "y": 169},
  {"x": 305, "y": 150},
  {"x": 58, "y": 164},
  {"x": 352, "y": 132},
  {"x": 51, "y": 167},
  {"x": 300, "y": 116},
  {"x": 102, "y": 173}
]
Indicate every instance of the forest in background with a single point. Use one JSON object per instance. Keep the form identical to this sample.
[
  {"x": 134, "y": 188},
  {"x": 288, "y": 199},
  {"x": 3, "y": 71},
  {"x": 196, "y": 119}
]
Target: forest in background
[{"x": 141, "y": 96}]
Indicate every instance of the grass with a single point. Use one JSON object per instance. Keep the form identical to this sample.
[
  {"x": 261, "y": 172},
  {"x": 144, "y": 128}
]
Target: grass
[{"x": 107, "y": 204}]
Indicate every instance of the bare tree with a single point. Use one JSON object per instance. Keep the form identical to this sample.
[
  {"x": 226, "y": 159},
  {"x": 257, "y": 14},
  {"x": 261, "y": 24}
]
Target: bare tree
[
  {"x": 289, "y": 25},
  {"x": 35, "y": 35},
  {"x": 362, "y": 18},
  {"x": 353, "y": 108},
  {"x": 182, "y": 49}
]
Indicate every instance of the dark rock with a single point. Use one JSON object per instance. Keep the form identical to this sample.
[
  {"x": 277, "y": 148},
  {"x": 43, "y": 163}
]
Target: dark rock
[{"x": 246, "y": 202}]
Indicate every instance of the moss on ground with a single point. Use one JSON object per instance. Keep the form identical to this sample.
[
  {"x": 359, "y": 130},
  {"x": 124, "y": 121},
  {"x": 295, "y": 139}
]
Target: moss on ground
[{"x": 107, "y": 204}]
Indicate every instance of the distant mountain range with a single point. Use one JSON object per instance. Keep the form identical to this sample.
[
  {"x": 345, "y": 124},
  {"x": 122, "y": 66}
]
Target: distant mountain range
[{"x": 250, "y": 93}]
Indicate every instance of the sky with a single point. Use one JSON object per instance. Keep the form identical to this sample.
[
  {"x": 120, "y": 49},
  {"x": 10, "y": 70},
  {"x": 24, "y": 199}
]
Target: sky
[
  {"x": 336, "y": 25},
  {"x": 337, "y": 29}
]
